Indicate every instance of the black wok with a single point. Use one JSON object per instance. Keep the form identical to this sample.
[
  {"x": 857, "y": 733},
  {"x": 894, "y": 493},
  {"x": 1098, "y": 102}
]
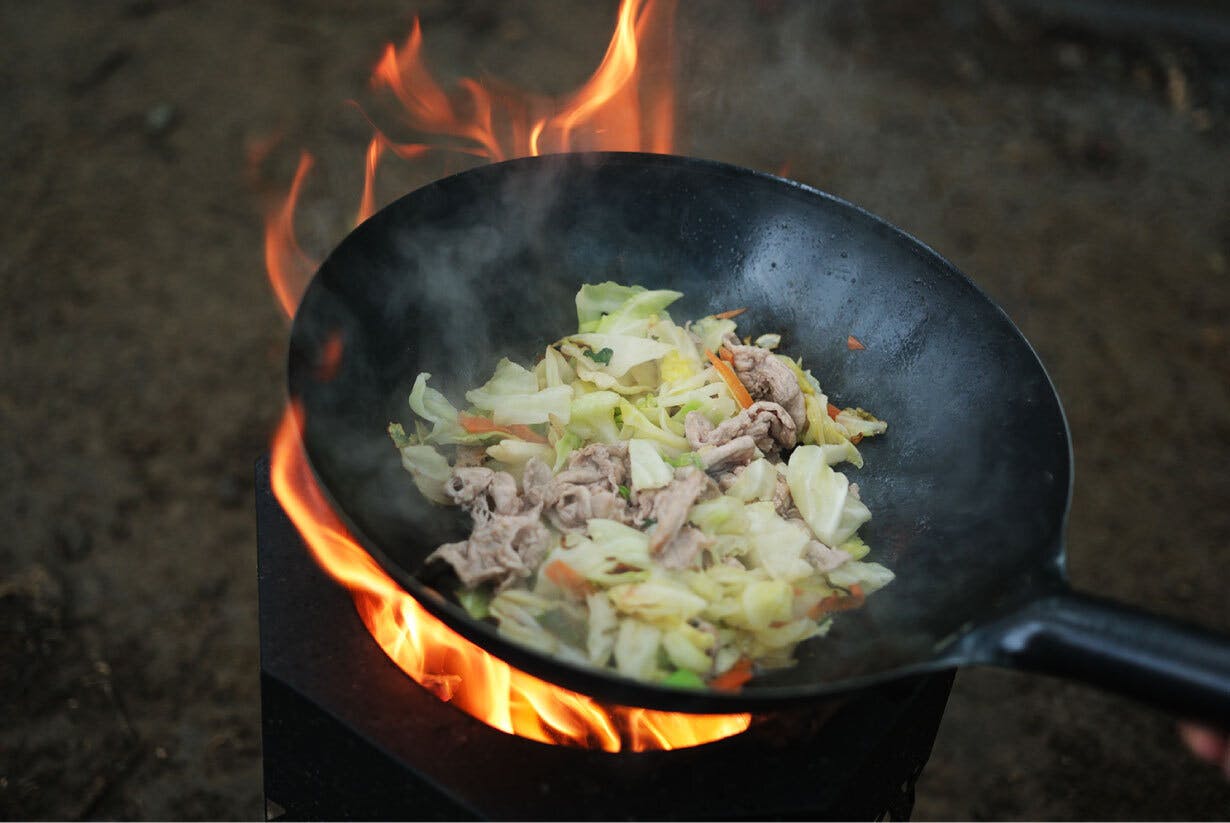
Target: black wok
[{"x": 969, "y": 488}]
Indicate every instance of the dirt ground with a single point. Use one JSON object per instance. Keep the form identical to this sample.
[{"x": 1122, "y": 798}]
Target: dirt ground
[{"x": 1075, "y": 168}]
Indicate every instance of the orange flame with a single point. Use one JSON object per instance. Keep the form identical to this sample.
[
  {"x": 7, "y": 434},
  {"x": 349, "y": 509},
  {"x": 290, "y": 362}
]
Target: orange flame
[
  {"x": 289, "y": 267},
  {"x": 627, "y": 105},
  {"x": 453, "y": 668}
]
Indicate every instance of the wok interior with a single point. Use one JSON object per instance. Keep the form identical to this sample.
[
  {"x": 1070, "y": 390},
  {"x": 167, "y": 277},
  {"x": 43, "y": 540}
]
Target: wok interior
[{"x": 968, "y": 488}]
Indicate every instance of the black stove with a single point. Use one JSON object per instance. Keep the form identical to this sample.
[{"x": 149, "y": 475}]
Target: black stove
[{"x": 347, "y": 735}]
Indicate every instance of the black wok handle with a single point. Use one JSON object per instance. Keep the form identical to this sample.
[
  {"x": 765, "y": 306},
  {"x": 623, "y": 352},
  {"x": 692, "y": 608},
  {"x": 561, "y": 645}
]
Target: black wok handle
[{"x": 1180, "y": 668}]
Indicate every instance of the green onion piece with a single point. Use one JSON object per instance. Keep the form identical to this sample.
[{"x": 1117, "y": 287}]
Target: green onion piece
[
  {"x": 684, "y": 679},
  {"x": 603, "y": 357}
]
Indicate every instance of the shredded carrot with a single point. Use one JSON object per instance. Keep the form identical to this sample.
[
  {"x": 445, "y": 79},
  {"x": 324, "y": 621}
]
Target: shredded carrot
[
  {"x": 726, "y": 354},
  {"x": 838, "y": 603},
  {"x": 833, "y": 411},
  {"x": 733, "y": 678},
  {"x": 730, "y": 379},
  {"x": 567, "y": 578},
  {"x": 853, "y": 343},
  {"x": 726, "y": 315},
  {"x": 481, "y": 425},
  {"x": 856, "y": 439}
]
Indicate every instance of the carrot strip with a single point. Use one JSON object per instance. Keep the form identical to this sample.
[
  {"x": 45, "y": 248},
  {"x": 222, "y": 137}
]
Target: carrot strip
[
  {"x": 726, "y": 315},
  {"x": 730, "y": 379},
  {"x": 567, "y": 578},
  {"x": 733, "y": 678},
  {"x": 838, "y": 603},
  {"x": 726, "y": 354},
  {"x": 527, "y": 434},
  {"x": 833, "y": 411},
  {"x": 482, "y": 425},
  {"x": 853, "y": 343},
  {"x": 856, "y": 439}
]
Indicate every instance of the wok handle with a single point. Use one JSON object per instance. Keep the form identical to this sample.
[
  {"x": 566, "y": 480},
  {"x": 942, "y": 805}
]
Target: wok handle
[{"x": 1177, "y": 667}]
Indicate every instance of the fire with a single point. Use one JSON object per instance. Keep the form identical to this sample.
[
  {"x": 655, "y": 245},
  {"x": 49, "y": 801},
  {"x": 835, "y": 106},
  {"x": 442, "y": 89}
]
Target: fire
[
  {"x": 453, "y": 668},
  {"x": 626, "y": 105},
  {"x": 288, "y": 265}
]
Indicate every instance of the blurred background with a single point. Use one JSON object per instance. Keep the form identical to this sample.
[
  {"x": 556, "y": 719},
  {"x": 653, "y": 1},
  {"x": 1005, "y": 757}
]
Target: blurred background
[{"x": 1071, "y": 158}]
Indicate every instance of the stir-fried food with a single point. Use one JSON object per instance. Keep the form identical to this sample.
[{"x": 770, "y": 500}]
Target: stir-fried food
[{"x": 651, "y": 497}]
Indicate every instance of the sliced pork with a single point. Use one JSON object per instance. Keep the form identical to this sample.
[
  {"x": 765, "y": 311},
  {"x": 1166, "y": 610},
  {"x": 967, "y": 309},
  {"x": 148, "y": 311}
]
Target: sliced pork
[
  {"x": 508, "y": 539},
  {"x": 598, "y": 463},
  {"x": 735, "y": 453},
  {"x": 768, "y": 424},
  {"x": 767, "y": 378},
  {"x": 503, "y": 548},
  {"x": 588, "y": 487},
  {"x": 683, "y": 550},
  {"x": 483, "y": 492},
  {"x": 668, "y": 506},
  {"x": 822, "y": 558}
]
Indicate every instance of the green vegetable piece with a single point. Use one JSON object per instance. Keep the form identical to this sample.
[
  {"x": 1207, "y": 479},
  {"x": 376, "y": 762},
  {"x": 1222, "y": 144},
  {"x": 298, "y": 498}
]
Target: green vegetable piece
[
  {"x": 400, "y": 439},
  {"x": 625, "y": 492},
  {"x": 684, "y": 679},
  {"x": 475, "y": 601},
  {"x": 648, "y": 522},
  {"x": 686, "y": 459},
  {"x": 603, "y": 357}
]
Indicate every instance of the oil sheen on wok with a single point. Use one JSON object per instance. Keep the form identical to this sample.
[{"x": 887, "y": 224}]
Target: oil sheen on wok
[{"x": 652, "y": 497}]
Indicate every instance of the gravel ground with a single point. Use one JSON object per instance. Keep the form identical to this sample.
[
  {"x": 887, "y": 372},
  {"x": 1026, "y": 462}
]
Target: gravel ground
[{"x": 1077, "y": 173}]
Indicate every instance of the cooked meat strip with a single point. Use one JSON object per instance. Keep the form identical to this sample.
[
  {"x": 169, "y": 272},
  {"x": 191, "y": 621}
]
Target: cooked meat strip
[
  {"x": 508, "y": 539},
  {"x": 574, "y": 505},
  {"x": 768, "y": 378},
  {"x": 481, "y": 491},
  {"x": 588, "y": 488},
  {"x": 597, "y": 462},
  {"x": 698, "y": 429},
  {"x": 669, "y": 505},
  {"x": 468, "y": 484},
  {"x": 823, "y": 558},
  {"x": 502, "y": 548},
  {"x": 768, "y": 424},
  {"x": 736, "y": 453},
  {"x": 782, "y": 501},
  {"x": 536, "y": 480},
  {"x": 683, "y": 550}
]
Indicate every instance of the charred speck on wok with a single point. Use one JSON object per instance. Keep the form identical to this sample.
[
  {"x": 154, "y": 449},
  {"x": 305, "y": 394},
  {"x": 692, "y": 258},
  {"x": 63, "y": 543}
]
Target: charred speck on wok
[{"x": 654, "y": 498}]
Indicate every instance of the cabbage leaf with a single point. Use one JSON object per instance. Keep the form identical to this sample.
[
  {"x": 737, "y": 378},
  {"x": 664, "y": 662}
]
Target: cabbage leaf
[
  {"x": 649, "y": 470},
  {"x": 823, "y": 497}
]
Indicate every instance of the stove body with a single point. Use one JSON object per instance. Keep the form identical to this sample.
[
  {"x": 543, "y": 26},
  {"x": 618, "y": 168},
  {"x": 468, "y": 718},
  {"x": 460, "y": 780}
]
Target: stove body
[{"x": 347, "y": 735}]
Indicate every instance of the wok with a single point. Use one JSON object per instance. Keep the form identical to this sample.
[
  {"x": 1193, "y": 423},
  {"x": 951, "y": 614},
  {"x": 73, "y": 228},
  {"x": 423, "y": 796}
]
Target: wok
[{"x": 969, "y": 488}]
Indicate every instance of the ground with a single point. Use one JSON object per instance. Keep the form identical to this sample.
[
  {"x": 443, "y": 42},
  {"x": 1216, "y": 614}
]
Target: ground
[{"x": 1074, "y": 167}]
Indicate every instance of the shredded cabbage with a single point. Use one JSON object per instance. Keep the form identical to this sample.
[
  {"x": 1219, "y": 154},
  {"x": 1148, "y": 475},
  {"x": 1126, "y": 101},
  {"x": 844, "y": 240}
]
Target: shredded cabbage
[
  {"x": 823, "y": 496},
  {"x": 512, "y": 396},
  {"x": 429, "y": 469},
  {"x": 745, "y": 580},
  {"x": 649, "y": 470}
]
